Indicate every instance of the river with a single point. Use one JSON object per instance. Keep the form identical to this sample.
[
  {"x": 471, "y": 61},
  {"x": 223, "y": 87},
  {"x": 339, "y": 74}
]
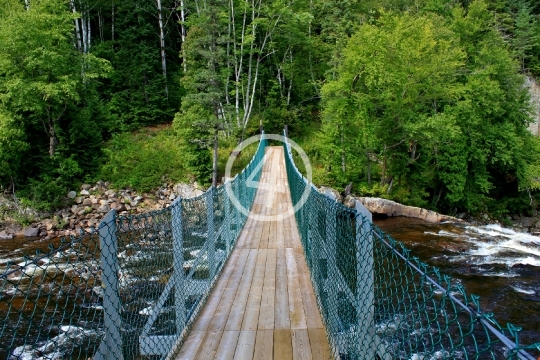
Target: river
[{"x": 499, "y": 264}]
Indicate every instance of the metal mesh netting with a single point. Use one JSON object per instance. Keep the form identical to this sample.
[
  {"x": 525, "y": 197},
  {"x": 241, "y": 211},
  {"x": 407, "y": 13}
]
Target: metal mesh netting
[
  {"x": 50, "y": 306},
  {"x": 129, "y": 290},
  {"x": 379, "y": 302}
]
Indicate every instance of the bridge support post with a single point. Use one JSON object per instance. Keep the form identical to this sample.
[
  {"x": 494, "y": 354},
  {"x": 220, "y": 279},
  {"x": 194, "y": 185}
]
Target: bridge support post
[
  {"x": 211, "y": 233},
  {"x": 331, "y": 265},
  {"x": 365, "y": 298},
  {"x": 178, "y": 264},
  {"x": 228, "y": 234},
  {"x": 111, "y": 345}
]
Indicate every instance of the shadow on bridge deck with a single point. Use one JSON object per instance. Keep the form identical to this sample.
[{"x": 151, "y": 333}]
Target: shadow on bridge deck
[{"x": 263, "y": 305}]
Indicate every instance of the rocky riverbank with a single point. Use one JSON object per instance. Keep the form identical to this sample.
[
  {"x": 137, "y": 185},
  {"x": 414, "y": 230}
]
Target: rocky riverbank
[
  {"x": 389, "y": 208},
  {"x": 89, "y": 205}
]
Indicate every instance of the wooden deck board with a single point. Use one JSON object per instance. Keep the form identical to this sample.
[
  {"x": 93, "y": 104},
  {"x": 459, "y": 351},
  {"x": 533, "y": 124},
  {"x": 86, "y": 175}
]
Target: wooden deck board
[{"x": 263, "y": 305}]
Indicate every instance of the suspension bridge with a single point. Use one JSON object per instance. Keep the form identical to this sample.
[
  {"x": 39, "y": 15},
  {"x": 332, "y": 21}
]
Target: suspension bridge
[{"x": 203, "y": 279}]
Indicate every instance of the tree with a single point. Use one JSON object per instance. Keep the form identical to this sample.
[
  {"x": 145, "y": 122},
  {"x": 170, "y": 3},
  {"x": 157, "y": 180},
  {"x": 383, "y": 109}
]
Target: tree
[
  {"x": 440, "y": 111},
  {"x": 42, "y": 78},
  {"x": 395, "y": 78}
]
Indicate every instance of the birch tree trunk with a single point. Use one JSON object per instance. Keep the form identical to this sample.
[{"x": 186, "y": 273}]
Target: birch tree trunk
[
  {"x": 162, "y": 46},
  {"x": 89, "y": 31},
  {"x": 84, "y": 32},
  {"x": 183, "y": 33},
  {"x": 77, "y": 28}
]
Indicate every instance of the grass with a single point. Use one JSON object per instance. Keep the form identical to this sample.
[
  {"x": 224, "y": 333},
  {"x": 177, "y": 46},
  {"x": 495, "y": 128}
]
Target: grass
[
  {"x": 149, "y": 157},
  {"x": 144, "y": 159}
]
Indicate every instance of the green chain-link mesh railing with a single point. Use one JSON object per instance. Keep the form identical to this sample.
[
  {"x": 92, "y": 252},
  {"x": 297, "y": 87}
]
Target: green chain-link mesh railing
[
  {"x": 131, "y": 289},
  {"x": 378, "y": 301}
]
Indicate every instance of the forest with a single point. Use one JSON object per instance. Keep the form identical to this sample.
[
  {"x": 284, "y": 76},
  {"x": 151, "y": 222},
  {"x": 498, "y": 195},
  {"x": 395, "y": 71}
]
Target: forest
[{"x": 419, "y": 101}]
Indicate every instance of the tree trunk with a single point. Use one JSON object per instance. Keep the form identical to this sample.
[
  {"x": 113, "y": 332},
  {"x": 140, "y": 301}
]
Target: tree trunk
[
  {"x": 215, "y": 159},
  {"x": 368, "y": 169},
  {"x": 51, "y": 132},
  {"x": 383, "y": 177},
  {"x": 342, "y": 154},
  {"x": 84, "y": 32},
  {"x": 52, "y": 140},
  {"x": 89, "y": 30},
  {"x": 100, "y": 24},
  {"x": 290, "y": 81},
  {"x": 183, "y": 33},
  {"x": 162, "y": 47},
  {"x": 112, "y": 22},
  {"x": 77, "y": 28}
]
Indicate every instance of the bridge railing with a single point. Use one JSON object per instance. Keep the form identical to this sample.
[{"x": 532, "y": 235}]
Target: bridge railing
[
  {"x": 380, "y": 302},
  {"x": 129, "y": 290}
]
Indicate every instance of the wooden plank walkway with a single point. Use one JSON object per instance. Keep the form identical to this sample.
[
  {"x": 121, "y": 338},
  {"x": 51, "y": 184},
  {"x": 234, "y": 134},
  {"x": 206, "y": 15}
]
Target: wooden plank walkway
[{"x": 263, "y": 305}]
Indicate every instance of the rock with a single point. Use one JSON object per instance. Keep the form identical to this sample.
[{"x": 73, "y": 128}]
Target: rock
[
  {"x": 149, "y": 202},
  {"x": 392, "y": 208},
  {"x": 31, "y": 232},
  {"x": 95, "y": 201},
  {"x": 88, "y": 209},
  {"x": 72, "y": 194},
  {"x": 138, "y": 198},
  {"x": 87, "y": 202},
  {"x": 81, "y": 212},
  {"x": 528, "y": 221},
  {"x": 98, "y": 290},
  {"x": 5, "y": 236},
  {"x": 335, "y": 193},
  {"x": 86, "y": 186},
  {"x": 75, "y": 209},
  {"x": 85, "y": 192},
  {"x": 79, "y": 200},
  {"x": 118, "y": 206},
  {"x": 110, "y": 193},
  {"x": 50, "y": 225},
  {"x": 105, "y": 208},
  {"x": 198, "y": 192},
  {"x": 349, "y": 202},
  {"x": 103, "y": 202},
  {"x": 100, "y": 183},
  {"x": 43, "y": 233}
]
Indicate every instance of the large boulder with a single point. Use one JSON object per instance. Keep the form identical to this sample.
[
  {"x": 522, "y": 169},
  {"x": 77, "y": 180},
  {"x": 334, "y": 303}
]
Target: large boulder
[
  {"x": 31, "y": 232},
  {"x": 392, "y": 208},
  {"x": 5, "y": 236}
]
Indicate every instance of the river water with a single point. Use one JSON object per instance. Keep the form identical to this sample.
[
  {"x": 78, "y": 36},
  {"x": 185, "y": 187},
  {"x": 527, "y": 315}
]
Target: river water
[{"x": 499, "y": 264}]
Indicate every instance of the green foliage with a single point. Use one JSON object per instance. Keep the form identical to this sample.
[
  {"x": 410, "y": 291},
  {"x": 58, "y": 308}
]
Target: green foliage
[
  {"x": 143, "y": 160},
  {"x": 434, "y": 107},
  {"x": 134, "y": 94}
]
